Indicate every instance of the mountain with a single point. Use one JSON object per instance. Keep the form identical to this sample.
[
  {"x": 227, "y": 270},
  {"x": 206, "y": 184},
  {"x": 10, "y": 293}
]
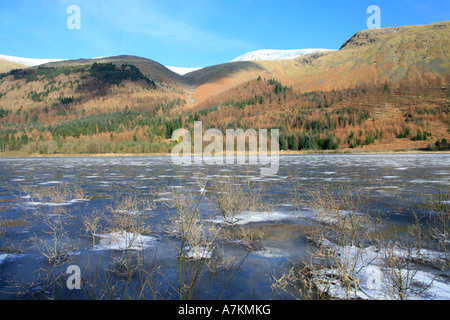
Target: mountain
[
  {"x": 8, "y": 63},
  {"x": 152, "y": 69},
  {"x": 215, "y": 79},
  {"x": 269, "y": 54},
  {"x": 383, "y": 89},
  {"x": 369, "y": 57},
  {"x": 92, "y": 84}
]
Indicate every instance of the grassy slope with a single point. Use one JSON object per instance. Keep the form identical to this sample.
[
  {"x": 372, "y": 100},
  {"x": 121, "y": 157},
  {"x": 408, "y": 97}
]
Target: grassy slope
[
  {"x": 369, "y": 57},
  {"x": 17, "y": 92},
  {"x": 6, "y": 66},
  {"x": 148, "y": 67}
]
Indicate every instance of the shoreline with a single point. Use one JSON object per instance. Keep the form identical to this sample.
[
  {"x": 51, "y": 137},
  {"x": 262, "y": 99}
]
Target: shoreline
[{"x": 19, "y": 154}]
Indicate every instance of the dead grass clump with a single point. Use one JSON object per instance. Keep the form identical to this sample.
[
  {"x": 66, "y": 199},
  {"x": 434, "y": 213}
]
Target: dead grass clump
[
  {"x": 60, "y": 194},
  {"x": 232, "y": 197}
]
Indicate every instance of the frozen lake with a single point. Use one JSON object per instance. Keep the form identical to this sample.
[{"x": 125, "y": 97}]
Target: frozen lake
[{"x": 393, "y": 183}]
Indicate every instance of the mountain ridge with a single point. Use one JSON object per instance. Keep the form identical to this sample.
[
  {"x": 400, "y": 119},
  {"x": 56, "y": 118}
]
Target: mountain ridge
[
  {"x": 257, "y": 55},
  {"x": 387, "y": 54}
]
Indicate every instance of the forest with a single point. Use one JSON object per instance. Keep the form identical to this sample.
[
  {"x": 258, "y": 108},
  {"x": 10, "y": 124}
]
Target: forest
[{"x": 412, "y": 112}]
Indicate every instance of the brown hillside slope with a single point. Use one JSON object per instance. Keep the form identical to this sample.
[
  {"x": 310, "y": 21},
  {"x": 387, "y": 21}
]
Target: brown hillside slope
[
  {"x": 149, "y": 68},
  {"x": 73, "y": 81},
  {"x": 6, "y": 66},
  {"x": 369, "y": 57}
]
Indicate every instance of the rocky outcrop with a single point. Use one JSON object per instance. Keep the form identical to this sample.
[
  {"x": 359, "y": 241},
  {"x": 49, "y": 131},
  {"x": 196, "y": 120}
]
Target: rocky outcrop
[{"x": 367, "y": 37}]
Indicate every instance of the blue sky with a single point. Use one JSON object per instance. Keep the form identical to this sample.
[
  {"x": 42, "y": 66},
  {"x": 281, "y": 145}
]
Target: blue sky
[{"x": 194, "y": 33}]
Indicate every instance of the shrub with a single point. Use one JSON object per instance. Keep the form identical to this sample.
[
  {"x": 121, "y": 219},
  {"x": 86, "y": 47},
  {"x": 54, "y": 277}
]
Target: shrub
[
  {"x": 442, "y": 145},
  {"x": 111, "y": 74},
  {"x": 3, "y": 113}
]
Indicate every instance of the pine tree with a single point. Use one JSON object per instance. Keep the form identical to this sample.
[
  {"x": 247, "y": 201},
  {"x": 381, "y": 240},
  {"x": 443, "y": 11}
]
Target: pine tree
[{"x": 283, "y": 142}]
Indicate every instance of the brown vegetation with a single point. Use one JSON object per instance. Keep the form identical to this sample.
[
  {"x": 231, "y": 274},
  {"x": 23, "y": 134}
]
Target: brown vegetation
[{"x": 377, "y": 93}]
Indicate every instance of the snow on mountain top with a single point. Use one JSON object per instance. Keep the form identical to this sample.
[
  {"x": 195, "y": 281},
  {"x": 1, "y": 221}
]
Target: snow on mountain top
[
  {"x": 27, "y": 61},
  {"x": 182, "y": 71},
  {"x": 270, "y": 54}
]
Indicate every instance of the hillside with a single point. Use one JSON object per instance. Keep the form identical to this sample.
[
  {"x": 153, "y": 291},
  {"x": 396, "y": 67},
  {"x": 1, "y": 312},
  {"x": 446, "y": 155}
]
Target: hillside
[
  {"x": 44, "y": 86},
  {"x": 8, "y": 63},
  {"x": 369, "y": 57},
  {"x": 6, "y": 66},
  {"x": 384, "y": 89},
  {"x": 149, "y": 68}
]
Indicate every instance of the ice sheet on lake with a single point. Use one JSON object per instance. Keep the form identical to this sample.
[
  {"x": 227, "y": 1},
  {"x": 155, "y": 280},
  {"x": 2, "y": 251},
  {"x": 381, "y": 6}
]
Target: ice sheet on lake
[
  {"x": 197, "y": 253},
  {"x": 133, "y": 212},
  {"x": 270, "y": 253},
  {"x": 122, "y": 240},
  {"x": 328, "y": 217},
  {"x": 373, "y": 276},
  {"x": 255, "y": 217},
  {"x": 4, "y": 257},
  {"x": 53, "y": 204},
  {"x": 50, "y": 182}
]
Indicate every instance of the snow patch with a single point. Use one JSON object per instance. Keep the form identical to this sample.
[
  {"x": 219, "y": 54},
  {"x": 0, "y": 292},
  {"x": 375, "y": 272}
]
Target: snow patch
[
  {"x": 53, "y": 204},
  {"x": 270, "y": 54},
  {"x": 197, "y": 253},
  {"x": 255, "y": 217},
  {"x": 182, "y": 71},
  {"x": 372, "y": 275}
]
